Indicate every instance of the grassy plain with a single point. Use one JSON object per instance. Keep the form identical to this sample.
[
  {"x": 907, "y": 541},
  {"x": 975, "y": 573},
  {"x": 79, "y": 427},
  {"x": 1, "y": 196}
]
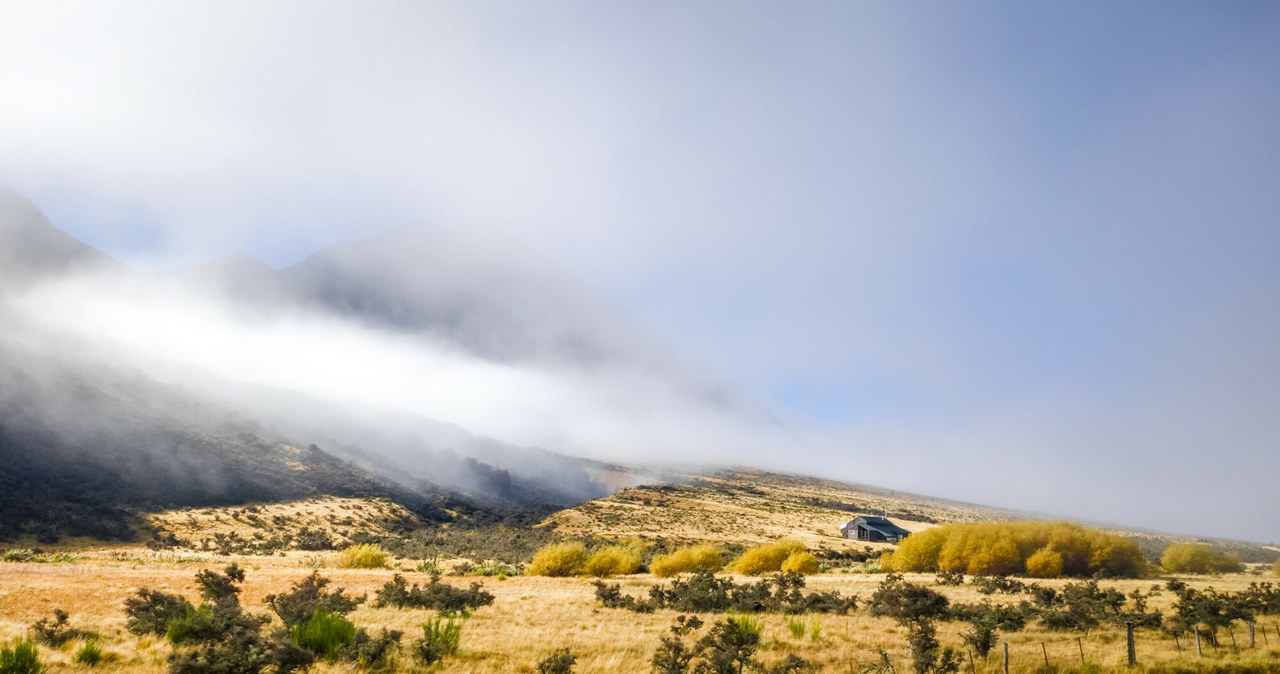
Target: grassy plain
[{"x": 533, "y": 616}]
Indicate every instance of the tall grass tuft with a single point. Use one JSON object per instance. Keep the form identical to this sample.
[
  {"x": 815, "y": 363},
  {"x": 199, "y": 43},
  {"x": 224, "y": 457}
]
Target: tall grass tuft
[
  {"x": 21, "y": 658},
  {"x": 89, "y": 653},
  {"x": 366, "y": 556},
  {"x": 440, "y": 638},
  {"x": 324, "y": 634}
]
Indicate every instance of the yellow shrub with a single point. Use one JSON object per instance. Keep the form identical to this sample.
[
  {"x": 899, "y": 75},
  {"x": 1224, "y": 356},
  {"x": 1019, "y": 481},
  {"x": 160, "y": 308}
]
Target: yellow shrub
[
  {"x": 367, "y": 556},
  {"x": 615, "y": 560},
  {"x": 1044, "y": 563},
  {"x": 1275, "y": 568},
  {"x": 800, "y": 562},
  {"x": 558, "y": 559},
  {"x": 1197, "y": 558},
  {"x": 997, "y": 548},
  {"x": 687, "y": 560},
  {"x": 766, "y": 558}
]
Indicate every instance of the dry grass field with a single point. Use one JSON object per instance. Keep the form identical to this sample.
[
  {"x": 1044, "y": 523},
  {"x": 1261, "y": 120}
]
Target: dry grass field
[{"x": 531, "y": 617}]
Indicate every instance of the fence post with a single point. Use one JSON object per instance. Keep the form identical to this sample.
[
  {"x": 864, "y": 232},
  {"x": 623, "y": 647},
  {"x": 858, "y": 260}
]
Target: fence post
[
  {"x": 1253, "y": 641},
  {"x": 971, "y": 665},
  {"x": 1006, "y": 657},
  {"x": 1133, "y": 653},
  {"x": 1199, "y": 652},
  {"x": 1265, "y": 641},
  {"x": 1176, "y": 642},
  {"x": 1046, "y": 654},
  {"x": 1081, "y": 647},
  {"x": 1233, "y": 638}
]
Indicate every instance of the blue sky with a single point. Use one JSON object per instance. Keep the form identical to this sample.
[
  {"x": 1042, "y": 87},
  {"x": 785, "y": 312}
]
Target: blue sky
[{"x": 1031, "y": 250}]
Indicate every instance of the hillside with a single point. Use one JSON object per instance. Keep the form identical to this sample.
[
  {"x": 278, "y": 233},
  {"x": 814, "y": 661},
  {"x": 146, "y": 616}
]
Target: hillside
[
  {"x": 750, "y": 506},
  {"x": 746, "y": 506}
]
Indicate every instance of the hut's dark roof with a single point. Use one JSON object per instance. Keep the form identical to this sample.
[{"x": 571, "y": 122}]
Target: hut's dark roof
[{"x": 882, "y": 525}]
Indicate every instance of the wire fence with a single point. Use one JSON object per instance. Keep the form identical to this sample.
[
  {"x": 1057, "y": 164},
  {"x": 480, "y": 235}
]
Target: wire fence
[{"x": 1112, "y": 648}]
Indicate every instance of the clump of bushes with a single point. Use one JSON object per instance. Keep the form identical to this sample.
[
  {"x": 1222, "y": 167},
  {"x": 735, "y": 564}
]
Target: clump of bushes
[
  {"x": 57, "y": 631},
  {"x": 1198, "y": 558},
  {"x": 22, "y": 657},
  {"x": 1006, "y": 548},
  {"x": 703, "y": 592},
  {"x": 728, "y": 647},
  {"x": 560, "y": 662},
  {"x": 309, "y": 596},
  {"x": 614, "y": 560},
  {"x": 150, "y": 612},
  {"x": 559, "y": 559},
  {"x": 365, "y": 556},
  {"x": 687, "y": 560},
  {"x": 769, "y": 558},
  {"x": 435, "y": 595}
]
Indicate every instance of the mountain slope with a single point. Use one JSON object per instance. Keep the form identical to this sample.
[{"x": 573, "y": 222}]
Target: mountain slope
[{"x": 31, "y": 248}]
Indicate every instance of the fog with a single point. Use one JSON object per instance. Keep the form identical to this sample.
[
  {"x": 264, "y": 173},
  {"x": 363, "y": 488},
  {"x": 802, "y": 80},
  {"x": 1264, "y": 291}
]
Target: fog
[
  {"x": 1019, "y": 255},
  {"x": 618, "y": 405}
]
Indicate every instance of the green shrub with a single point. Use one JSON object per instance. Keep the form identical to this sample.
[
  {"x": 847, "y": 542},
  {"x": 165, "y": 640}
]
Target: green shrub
[
  {"x": 151, "y": 612},
  {"x": 766, "y": 558},
  {"x": 21, "y": 658},
  {"x": 56, "y": 632},
  {"x": 729, "y": 646},
  {"x": 558, "y": 559},
  {"x": 435, "y": 595},
  {"x": 89, "y": 653},
  {"x": 366, "y": 556},
  {"x": 496, "y": 569},
  {"x": 1197, "y": 558},
  {"x": 324, "y": 634},
  {"x": 308, "y": 596},
  {"x": 800, "y": 562},
  {"x": 372, "y": 652},
  {"x": 560, "y": 662},
  {"x": 428, "y": 566},
  {"x": 687, "y": 560},
  {"x": 440, "y": 638},
  {"x": 614, "y": 560}
]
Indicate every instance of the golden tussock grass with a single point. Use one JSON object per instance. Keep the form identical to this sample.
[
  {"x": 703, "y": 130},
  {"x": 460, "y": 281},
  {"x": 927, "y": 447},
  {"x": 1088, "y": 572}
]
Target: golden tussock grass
[{"x": 533, "y": 616}]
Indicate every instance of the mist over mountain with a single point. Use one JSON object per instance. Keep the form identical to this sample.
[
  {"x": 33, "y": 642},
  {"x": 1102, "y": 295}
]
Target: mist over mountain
[{"x": 413, "y": 364}]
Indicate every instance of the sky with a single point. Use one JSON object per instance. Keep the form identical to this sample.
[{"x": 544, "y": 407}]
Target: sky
[{"x": 1021, "y": 254}]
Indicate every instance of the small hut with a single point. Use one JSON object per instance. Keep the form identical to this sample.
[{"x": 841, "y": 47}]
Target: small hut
[{"x": 872, "y": 528}]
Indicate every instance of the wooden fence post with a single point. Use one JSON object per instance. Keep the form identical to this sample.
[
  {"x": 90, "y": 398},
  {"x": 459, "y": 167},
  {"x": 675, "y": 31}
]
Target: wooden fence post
[
  {"x": 1199, "y": 652},
  {"x": 1081, "y": 647},
  {"x": 1006, "y": 657},
  {"x": 1233, "y": 638},
  {"x": 1046, "y": 654},
  {"x": 1176, "y": 642},
  {"x": 1133, "y": 653},
  {"x": 1253, "y": 641},
  {"x": 971, "y": 665}
]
